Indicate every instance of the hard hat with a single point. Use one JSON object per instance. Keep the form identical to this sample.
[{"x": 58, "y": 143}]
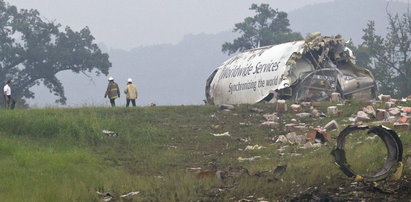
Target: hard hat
[
  {"x": 110, "y": 78},
  {"x": 129, "y": 80}
]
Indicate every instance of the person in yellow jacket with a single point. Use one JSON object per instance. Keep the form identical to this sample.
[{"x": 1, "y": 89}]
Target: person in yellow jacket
[
  {"x": 112, "y": 91},
  {"x": 131, "y": 92}
]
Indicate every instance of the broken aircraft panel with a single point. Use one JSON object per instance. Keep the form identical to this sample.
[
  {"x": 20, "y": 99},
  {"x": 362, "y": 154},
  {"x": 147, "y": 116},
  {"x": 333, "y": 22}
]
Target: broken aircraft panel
[{"x": 307, "y": 70}]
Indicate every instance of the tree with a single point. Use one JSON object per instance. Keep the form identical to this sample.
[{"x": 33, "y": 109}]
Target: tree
[
  {"x": 268, "y": 27},
  {"x": 389, "y": 57},
  {"x": 33, "y": 51}
]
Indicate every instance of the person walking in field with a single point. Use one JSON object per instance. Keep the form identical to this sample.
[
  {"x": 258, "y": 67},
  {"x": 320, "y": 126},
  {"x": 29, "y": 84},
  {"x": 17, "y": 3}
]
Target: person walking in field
[
  {"x": 131, "y": 93},
  {"x": 9, "y": 101},
  {"x": 112, "y": 91}
]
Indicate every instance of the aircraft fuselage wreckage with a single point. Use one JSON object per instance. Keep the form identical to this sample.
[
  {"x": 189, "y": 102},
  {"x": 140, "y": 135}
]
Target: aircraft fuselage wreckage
[{"x": 307, "y": 70}]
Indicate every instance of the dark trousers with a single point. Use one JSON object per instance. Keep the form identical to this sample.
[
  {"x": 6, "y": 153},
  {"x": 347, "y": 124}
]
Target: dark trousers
[
  {"x": 9, "y": 103},
  {"x": 113, "y": 102},
  {"x": 133, "y": 101}
]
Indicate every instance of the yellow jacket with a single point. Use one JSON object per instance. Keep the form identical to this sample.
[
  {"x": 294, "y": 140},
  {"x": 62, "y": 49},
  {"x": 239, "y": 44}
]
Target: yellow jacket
[{"x": 131, "y": 91}]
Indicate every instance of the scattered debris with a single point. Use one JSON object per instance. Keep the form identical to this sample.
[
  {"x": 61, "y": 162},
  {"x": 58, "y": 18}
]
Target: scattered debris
[
  {"x": 309, "y": 145},
  {"x": 281, "y": 106},
  {"x": 241, "y": 159},
  {"x": 130, "y": 194},
  {"x": 370, "y": 111},
  {"x": 362, "y": 116},
  {"x": 256, "y": 110},
  {"x": 226, "y": 106},
  {"x": 398, "y": 125},
  {"x": 394, "y": 111},
  {"x": 332, "y": 111},
  {"x": 282, "y": 139},
  {"x": 105, "y": 196},
  {"x": 226, "y": 134},
  {"x": 303, "y": 115},
  {"x": 295, "y": 108},
  {"x": 194, "y": 169},
  {"x": 315, "y": 113},
  {"x": 306, "y": 104},
  {"x": 389, "y": 105},
  {"x": 270, "y": 123},
  {"x": 332, "y": 125},
  {"x": 381, "y": 114},
  {"x": 317, "y": 135},
  {"x": 335, "y": 97},
  {"x": 215, "y": 126},
  {"x": 384, "y": 98},
  {"x": 271, "y": 117},
  {"x": 110, "y": 133},
  {"x": 293, "y": 138},
  {"x": 246, "y": 139},
  {"x": 255, "y": 147}
]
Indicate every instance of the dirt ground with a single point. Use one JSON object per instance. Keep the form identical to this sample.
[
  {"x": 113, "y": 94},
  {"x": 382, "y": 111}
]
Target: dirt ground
[{"x": 360, "y": 191}]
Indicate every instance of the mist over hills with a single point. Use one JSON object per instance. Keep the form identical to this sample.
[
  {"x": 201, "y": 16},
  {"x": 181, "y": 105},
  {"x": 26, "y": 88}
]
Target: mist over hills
[
  {"x": 175, "y": 74},
  {"x": 345, "y": 17},
  {"x": 164, "y": 74}
]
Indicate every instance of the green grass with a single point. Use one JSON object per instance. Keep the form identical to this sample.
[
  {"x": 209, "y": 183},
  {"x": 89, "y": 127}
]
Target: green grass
[{"x": 62, "y": 155}]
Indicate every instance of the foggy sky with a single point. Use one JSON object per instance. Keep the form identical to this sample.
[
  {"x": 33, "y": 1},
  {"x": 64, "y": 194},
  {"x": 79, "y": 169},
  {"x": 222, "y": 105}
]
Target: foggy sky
[{"x": 127, "y": 24}]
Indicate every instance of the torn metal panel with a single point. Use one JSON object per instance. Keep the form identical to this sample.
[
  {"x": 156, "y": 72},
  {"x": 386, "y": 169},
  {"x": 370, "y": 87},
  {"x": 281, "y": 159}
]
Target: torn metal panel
[{"x": 308, "y": 70}]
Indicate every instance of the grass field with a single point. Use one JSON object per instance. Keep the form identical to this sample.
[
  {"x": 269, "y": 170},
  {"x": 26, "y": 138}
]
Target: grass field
[{"x": 62, "y": 154}]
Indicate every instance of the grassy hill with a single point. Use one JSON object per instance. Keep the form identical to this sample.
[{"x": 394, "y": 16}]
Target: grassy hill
[{"x": 168, "y": 153}]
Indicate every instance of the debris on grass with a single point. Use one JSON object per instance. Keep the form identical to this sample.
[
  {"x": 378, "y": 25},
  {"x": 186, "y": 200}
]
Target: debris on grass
[
  {"x": 335, "y": 97},
  {"x": 293, "y": 138},
  {"x": 104, "y": 196},
  {"x": 381, "y": 114},
  {"x": 332, "y": 111},
  {"x": 317, "y": 135},
  {"x": 255, "y": 147},
  {"x": 309, "y": 145},
  {"x": 332, "y": 125},
  {"x": 241, "y": 159},
  {"x": 295, "y": 108},
  {"x": 256, "y": 110},
  {"x": 370, "y": 111},
  {"x": 271, "y": 117},
  {"x": 384, "y": 98},
  {"x": 226, "y": 134},
  {"x": 303, "y": 115},
  {"x": 110, "y": 133},
  {"x": 362, "y": 116},
  {"x": 394, "y": 111},
  {"x": 226, "y": 107},
  {"x": 272, "y": 124},
  {"x": 194, "y": 169},
  {"x": 281, "y": 106},
  {"x": 130, "y": 194}
]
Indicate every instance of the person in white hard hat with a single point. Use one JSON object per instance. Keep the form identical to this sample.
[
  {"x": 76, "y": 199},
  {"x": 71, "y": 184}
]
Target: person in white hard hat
[
  {"x": 112, "y": 91},
  {"x": 131, "y": 93}
]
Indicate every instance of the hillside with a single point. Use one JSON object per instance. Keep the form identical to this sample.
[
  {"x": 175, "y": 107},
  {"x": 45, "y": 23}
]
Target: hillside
[{"x": 183, "y": 153}]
